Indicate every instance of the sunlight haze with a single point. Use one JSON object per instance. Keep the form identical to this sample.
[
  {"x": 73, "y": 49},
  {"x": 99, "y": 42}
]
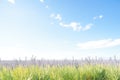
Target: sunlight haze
[{"x": 59, "y": 29}]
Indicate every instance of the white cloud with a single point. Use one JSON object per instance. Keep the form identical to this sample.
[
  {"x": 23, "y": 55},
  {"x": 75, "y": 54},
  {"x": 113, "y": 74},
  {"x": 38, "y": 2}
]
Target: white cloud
[
  {"x": 76, "y": 26},
  {"x": 11, "y": 1},
  {"x": 87, "y": 27},
  {"x": 98, "y": 17},
  {"x": 44, "y": 4},
  {"x": 99, "y": 44},
  {"x": 56, "y": 17},
  {"x": 42, "y": 1}
]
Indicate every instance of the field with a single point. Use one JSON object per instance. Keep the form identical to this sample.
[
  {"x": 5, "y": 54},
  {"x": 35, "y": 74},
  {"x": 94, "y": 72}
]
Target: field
[{"x": 86, "y": 69}]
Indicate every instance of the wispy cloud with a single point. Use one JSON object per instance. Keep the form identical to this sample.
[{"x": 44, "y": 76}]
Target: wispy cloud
[
  {"x": 44, "y": 4},
  {"x": 76, "y": 26},
  {"x": 56, "y": 16},
  {"x": 11, "y": 1},
  {"x": 87, "y": 27},
  {"x": 98, "y": 17},
  {"x": 99, "y": 44},
  {"x": 42, "y": 1}
]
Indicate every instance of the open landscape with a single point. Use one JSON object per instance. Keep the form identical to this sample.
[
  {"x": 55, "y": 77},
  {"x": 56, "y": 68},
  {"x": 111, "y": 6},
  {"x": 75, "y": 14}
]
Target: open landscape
[
  {"x": 86, "y": 69},
  {"x": 59, "y": 39}
]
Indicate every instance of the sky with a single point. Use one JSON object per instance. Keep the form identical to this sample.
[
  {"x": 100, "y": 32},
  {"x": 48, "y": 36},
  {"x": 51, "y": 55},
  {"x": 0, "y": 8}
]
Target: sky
[{"x": 59, "y": 29}]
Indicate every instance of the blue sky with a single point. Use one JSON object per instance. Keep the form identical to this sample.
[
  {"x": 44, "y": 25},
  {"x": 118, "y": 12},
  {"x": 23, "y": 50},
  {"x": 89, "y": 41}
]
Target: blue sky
[{"x": 59, "y": 29}]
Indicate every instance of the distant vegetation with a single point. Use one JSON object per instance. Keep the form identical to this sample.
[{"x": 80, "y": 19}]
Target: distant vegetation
[{"x": 86, "y": 69}]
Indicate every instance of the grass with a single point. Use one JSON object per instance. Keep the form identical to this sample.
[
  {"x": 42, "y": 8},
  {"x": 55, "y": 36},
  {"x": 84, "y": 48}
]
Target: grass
[{"x": 85, "y": 72}]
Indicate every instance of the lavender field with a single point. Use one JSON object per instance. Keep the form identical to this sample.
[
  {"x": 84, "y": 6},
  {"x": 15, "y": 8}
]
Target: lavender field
[{"x": 85, "y": 69}]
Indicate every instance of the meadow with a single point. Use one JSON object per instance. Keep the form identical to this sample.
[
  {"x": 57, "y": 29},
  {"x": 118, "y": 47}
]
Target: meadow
[{"x": 87, "y": 69}]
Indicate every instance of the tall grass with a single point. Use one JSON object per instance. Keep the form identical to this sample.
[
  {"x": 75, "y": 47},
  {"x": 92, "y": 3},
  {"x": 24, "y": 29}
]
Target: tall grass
[{"x": 85, "y": 72}]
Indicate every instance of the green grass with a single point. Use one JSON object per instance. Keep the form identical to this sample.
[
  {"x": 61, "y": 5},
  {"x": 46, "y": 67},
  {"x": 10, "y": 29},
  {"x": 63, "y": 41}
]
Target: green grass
[{"x": 86, "y": 72}]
